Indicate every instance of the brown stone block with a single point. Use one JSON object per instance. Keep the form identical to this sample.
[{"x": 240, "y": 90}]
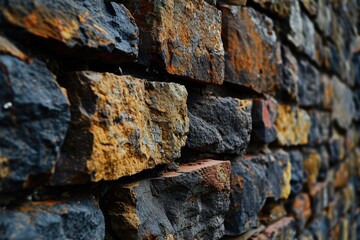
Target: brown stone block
[
  {"x": 120, "y": 126},
  {"x": 301, "y": 210},
  {"x": 312, "y": 164},
  {"x": 280, "y": 8},
  {"x": 187, "y": 204},
  {"x": 252, "y": 52},
  {"x": 182, "y": 37},
  {"x": 92, "y": 28},
  {"x": 292, "y": 125}
]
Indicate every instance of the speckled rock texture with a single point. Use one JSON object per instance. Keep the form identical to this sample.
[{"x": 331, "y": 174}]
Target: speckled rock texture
[
  {"x": 120, "y": 126},
  {"x": 34, "y": 117},
  {"x": 187, "y": 204}
]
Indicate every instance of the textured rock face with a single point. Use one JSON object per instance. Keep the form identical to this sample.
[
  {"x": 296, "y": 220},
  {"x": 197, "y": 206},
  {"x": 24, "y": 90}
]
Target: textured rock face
[
  {"x": 279, "y": 7},
  {"x": 244, "y": 30},
  {"x": 34, "y": 117},
  {"x": 292, "y": 125},
  {"x": 97, "y": 30},
  {"x": 309, "y": 85},
  {"x": 183, "y": 37},
  {"x": 72, "y": 219},
  {"x": 295, "y": 33},
  {"x": 253, "y": 180},
  {"x": 297, "y": 174},
  {"x": 290, "y": 78},
  {"x": 8, "y": 48},
  {"x": 263, "y": 114},
  {"x": 301, "y": 209},
  {"x": 320, "y": 127},
  {"x": 343, "y": 107},
  {"x": 120, "y": 126},
  {"x": 219, "y": 125},
  {"x": 187, "y": 204}
]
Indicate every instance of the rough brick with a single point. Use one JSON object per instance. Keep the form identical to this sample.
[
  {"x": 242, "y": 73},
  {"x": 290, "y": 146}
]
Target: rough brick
[
  {"x": 68, "y": 219},
  {"x": 219, "y": 125},
  {"x": 263, "y": 121},
  {"x": 244, "y": 30},
  {"x": 292, "y": 125},
  {"x": 34, "y": 117},
  {"x": 253, "y": 180},
  {"x": 182, "y": 37},
  {"x": 187, "y": 204},
  {"x": 92, "y": 28},
  {"x": 120, "y": 126}
]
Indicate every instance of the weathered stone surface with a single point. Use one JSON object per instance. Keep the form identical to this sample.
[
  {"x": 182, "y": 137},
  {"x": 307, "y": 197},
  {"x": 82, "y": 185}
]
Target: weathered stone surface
[
  {"x": 8, "y": 48},
  {"x": 290, "y": 78},
  {"x": 292, "y": 125},
  {"x": 312, "y": 164},
  {"x": 219, "y": 125},
  {"x": 282, "y": 229},
  {"x": 295, "y": 24},
  {"x": 244, "y": 30},
  {"x": 325, "y": 163},
  {"x": 120, "y": 126},
  {"x": 187, "y": 204},
  {"x": 71, "y": 219},
  {"x": 336, "y": 148},
  {"x": 253, "y": 180},
  {"x": 342, "y": 174},
  {"x": 309, "y": 36},
  {"x": 320, "y": 127},
  {"x": 263, "y": 121},
  {"x": 310, "y": 6},
  {"x": 279, "y": 7},
  {"x": 323, "y": 19},
  {"x": 297, "y": 173},
  {"x": 301, "y": 210},
  {"x": 183, "y": 37},
  {"x": 309, "y": 85},
  {"x": 327, "y": 93},
  {"x": 343, "y": 107},
  {"x": 95, "y": 29},
  {"x": 34, "y": 117}
]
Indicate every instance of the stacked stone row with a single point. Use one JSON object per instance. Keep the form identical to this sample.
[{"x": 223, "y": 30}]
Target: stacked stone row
[{"x": 194, "y": 119}]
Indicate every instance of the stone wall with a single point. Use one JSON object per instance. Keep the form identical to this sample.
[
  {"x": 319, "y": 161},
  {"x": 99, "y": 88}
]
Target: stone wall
[{"x": 193, "y": 119}]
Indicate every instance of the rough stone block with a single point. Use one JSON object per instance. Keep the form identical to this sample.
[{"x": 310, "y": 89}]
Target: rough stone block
[
  {"x": 244, "y": 30},
  {"x": 292, "y": 125},
  {"x": 182, "y": 37},
  {"x": 272, "y": 212},
  {"x": 34, "y": 117},
  {"x": 290, "y": 78},
  {"x": 323, "y": 19},
  {"x": 295, "y": 25},
  {"x": 120, "y": 126},
  {"x": 310, "y": 88},
  {"x": 319, "y": 228},
  {"x": 92, "y": 28},
  {"x": 343, "y": 105},
  {"x": 319, "y": 195},
  {"x": 309, "y": 36},
  {"x": 342, "y": 174},
  {"x": 320, "y": 127},
  {"x": 188, "y": 204},
  {"x": 263, "y": 121},
  {"x": 336, "y": 148},
  {"x": 327, "y": 94},
  {"x": 219, "y": 125},
  {"x": 253, "y": 180},
  {"x": 301, "y": 210},
  {"x": 68, "y": 219},
  {"x": 297, "y": 173},
  {"x": 312, "y": 164}
]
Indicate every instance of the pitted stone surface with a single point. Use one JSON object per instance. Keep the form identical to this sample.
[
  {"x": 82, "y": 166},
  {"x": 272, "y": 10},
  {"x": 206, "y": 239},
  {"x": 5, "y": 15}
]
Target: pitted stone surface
[
  {"x": 244, "y": 30},
  {"x": 97, "y": 30},
  {"x": 182, "y": 37},
  {"x": 187, "y": 204},
  {"x": 34, "y": 117},
  {"x": 120, "y": 126}
]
